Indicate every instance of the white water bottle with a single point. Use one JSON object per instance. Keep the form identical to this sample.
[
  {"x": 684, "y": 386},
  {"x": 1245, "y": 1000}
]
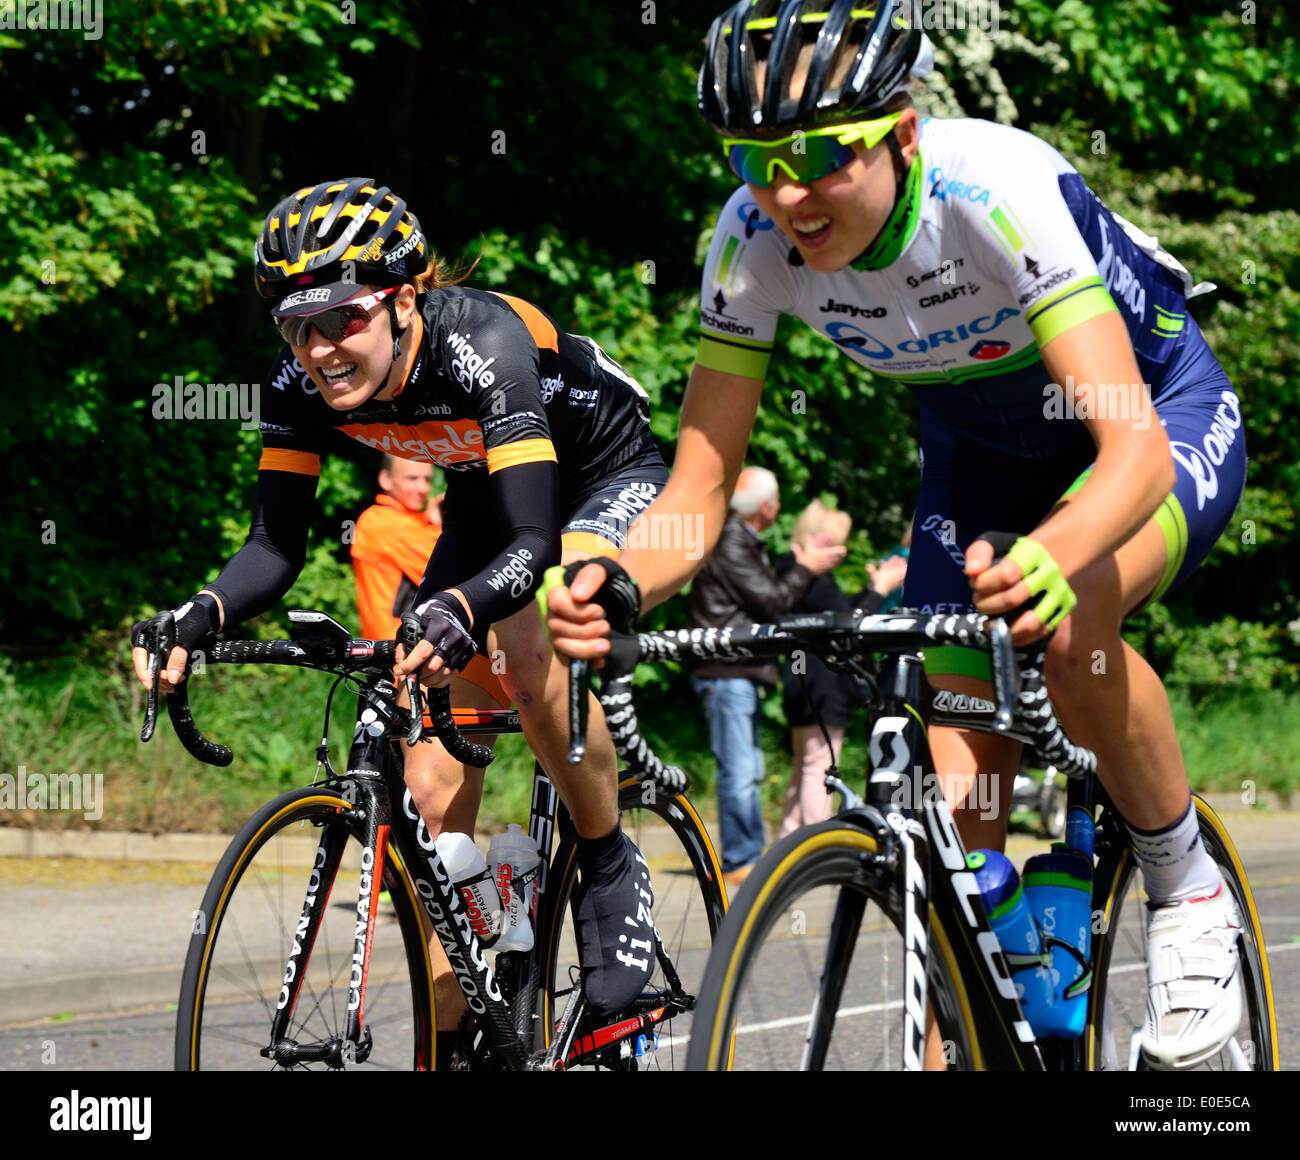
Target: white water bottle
[
  {"x": 514, "y": 859},
  {"x": 470, "y": 875}
]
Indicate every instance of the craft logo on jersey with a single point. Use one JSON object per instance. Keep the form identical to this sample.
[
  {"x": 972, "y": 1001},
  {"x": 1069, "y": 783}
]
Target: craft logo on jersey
[
  {"x": 753, "y": 218},
  {"x": 468, "y": 364},
  {"x": 941, "y": 189},
  {"x": 854, "y": 340}
]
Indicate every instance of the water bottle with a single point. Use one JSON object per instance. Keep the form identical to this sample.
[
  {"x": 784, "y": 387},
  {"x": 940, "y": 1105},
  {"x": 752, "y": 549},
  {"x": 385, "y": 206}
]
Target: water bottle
[
  {"x": 1080, "y": 831},
  {"x": 1058, "y": 887},
  {"x": 1012, "y": 922},
  {"x": 514, "y": 860},
  {"x": 469, "y": 873}
]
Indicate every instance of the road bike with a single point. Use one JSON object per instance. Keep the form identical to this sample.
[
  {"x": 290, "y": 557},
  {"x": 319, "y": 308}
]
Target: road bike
[
  {"x": 847, "y": 933},
  {"x": 294, "y": 961}
]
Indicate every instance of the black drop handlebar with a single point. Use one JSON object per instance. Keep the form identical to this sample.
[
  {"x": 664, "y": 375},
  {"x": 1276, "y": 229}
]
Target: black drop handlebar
[
  {"x": 1021, "y": 708},
  {"x": 320, "y": 643}
]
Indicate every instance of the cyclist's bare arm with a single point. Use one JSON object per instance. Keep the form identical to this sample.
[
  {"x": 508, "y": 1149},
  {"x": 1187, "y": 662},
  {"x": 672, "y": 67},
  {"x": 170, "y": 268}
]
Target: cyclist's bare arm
[
  {"x": 1133, "y": 473},
  {"x": 717, "y": 417}
]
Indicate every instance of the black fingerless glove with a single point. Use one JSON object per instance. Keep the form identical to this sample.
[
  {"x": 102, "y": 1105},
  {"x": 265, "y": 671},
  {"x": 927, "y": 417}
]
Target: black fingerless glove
[
  {"x": 618, "y": 594},
  {"x": 198, "y": 621},
  {"x": 441, "y": 614}
]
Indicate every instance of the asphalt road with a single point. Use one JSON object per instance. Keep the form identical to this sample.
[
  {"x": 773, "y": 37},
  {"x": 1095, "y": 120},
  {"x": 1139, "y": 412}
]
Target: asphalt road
[{"x": 129, "y": 924}]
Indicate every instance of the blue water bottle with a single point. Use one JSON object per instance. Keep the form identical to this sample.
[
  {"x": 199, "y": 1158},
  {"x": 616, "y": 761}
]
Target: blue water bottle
[
  {"x": 1058, "y": 889},
  {"x": 1013, "y": 923}
]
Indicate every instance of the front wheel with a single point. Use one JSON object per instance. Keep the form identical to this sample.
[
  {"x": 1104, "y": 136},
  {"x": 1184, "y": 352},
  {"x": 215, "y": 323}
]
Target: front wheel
[
  {"x": 690, "y": 902},
  {"x": 245, "y": 935},
  {"x": 1117, "y": 1007},
  {"x": 807, "y": 972}
]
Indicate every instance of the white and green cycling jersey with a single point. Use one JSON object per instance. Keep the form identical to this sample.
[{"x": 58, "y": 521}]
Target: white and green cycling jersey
[{"x": 996, "y": 247}]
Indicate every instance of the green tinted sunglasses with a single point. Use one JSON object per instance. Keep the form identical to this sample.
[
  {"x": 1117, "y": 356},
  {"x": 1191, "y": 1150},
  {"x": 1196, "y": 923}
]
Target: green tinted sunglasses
[{"x": 806, "y": 155}]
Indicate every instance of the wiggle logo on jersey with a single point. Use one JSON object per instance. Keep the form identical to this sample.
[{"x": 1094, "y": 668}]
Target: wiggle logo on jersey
[
  {"x": 550, "y": 386},
  {"x": 468, "y": 364},
  {"x": 285, "y": 375},
  {"x": 854, "y": 340}
]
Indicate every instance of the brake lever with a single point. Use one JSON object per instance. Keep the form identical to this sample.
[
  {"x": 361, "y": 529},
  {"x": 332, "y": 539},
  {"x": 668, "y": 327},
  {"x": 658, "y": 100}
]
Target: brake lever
[
  {"x": 579, "y": 690},
  {"x": 408, "y": 636},
  {"x": 160, "y": 632},
  {"x": 1006, "y": 675}
]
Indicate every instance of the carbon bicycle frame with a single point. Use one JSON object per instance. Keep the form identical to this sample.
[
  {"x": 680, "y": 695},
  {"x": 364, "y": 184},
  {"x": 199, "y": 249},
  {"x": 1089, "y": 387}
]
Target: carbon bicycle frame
[
  {"x": 507, "y": 1003},
  {"x": 934, "y": 872},
  {"x": 373, "y": 780}
]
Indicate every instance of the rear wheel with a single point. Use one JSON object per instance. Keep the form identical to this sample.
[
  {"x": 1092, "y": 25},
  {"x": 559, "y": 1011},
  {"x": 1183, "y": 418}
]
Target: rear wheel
[
  {"x": 1117, "y": 1007},
  {"x": 808, "y": 969},
  {"x": 690, "y": 902},
  {"x": 245, "y": 932}
]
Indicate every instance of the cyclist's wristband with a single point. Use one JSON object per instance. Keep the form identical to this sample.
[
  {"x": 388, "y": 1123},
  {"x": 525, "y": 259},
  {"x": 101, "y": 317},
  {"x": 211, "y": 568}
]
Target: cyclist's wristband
[
  {"x": 618, "y": 596},
  {"x": 1042, "y": 575}
]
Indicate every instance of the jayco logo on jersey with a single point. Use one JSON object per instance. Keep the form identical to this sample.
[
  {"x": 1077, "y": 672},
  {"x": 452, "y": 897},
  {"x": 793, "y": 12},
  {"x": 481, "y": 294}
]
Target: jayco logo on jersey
[
  {"x": 942, "y": 189},
  {"x": 833, "y": 307},
  {"x": 752, "y": 216},
  {"x": 1200, "y": 462},
  {"x": 468, "y": 364},
  {"x": 516, "y": 573},
  {"x": 857, "y": 341},
  {"x": 1119, "y": 277}
]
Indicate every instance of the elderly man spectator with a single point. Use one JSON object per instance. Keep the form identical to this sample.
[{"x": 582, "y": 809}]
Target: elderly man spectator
[{"x": 736, "y": 587}]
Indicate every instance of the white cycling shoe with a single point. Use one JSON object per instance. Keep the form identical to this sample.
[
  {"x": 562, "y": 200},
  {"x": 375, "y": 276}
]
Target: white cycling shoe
[{"x": 1193, "y": 983}]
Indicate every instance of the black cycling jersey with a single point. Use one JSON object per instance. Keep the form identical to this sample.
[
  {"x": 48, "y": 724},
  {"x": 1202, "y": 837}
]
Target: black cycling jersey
[{"x": 497, "y": 394}]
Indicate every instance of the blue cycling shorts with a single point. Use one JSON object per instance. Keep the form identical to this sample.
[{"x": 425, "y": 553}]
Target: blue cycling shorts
[{"x": 967, "y": 489}]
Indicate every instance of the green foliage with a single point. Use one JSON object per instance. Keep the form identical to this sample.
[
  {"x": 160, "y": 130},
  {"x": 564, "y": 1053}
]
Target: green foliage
[{"x": 136, "y": 169}]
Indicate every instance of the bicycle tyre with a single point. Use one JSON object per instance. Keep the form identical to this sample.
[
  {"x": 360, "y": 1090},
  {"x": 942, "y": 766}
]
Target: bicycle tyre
[
  {"x": 242, "y": 938},
  {"x": 1118, "y": 999},
  {"x": 690, "y": 902},
  {"x": 751, "y": 982}
]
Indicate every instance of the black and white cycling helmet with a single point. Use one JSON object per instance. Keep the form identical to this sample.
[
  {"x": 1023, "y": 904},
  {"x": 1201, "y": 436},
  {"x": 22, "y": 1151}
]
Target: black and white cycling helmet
[
  {"x": 787, "y": 64},
  {"x": 334, "y": 237}
]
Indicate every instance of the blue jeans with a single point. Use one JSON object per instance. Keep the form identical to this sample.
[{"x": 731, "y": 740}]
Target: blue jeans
[{"x": 732, "y": 706}]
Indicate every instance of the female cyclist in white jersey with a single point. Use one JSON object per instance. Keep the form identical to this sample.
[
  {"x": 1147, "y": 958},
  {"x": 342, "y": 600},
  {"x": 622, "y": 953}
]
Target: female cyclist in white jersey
[{"x": 1065, "y": 393}]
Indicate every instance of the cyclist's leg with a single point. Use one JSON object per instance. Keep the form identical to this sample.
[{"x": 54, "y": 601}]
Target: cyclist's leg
[
  {"x": 597, "y": 523},
  {"x": 612, "y": 900},
  {"x": 967, "y": 490},
  {"x": 447, "y": 795},
  {"x": 538, "y": 685}
]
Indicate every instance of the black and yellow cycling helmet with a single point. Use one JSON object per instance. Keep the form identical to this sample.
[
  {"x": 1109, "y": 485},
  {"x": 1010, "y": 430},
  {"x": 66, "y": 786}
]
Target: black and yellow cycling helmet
[
  {"x": 788, "y": 64},
  {"x": 331, "y": 238}
]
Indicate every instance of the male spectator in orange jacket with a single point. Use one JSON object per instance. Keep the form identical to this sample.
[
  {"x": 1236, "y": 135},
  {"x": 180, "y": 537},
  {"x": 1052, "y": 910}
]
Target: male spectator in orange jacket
[{"x": 391, "y": 545}]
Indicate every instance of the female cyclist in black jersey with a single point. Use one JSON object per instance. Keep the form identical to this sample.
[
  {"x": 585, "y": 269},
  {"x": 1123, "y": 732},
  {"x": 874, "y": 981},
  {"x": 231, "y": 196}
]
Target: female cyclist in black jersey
[
  {"x": 1066, "y": 395},
  {"x": 545, "y": 441}
]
